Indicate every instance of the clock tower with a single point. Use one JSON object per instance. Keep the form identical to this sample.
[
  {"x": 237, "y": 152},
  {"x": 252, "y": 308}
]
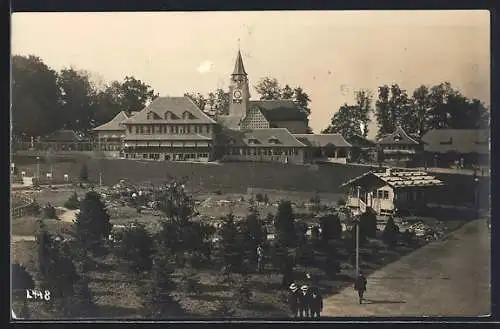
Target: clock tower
[{"x": 239, "y": 94}]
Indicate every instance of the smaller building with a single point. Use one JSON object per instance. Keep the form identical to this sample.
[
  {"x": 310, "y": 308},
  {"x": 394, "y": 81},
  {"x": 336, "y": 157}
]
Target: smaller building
[
  {"x": 462, "y": 148},
  {"x": 391, "y": 191},
  {"x": 260, "y": 145},
  {"x": 326, "y": 147},
  {"x": 398, "y": 148},
  {"x": 110, "y": 135},
  {"x": 64, "y": 140}
]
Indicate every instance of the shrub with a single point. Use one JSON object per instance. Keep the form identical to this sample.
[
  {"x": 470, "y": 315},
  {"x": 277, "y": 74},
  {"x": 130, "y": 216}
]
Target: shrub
[
  {"x": 341, "y": 202},
  {"x": 368, "y": 224},
  {"x": 284, "y": 223},
  {"x": 331, "y": 228},
  {"x": 332, "y": 263},
  {"x": 390, "y": 233},
  {"x": 21, "y": 279},
  {"x": 304, "y": 255},
  {"x": 259, "y": 197},
  {"x": 243, "y": 293},
  {"x": 266, "y": 199},
  {"x": 136, "y": 247},
  {"x": 73, "y": 202},
  {"x": 49, "y": 211},
  {"x": 84, "y": 173}
]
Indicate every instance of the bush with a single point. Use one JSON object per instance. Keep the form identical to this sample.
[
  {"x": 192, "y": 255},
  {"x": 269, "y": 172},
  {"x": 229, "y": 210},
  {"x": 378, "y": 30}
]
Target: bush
[
  {"x": 259, "y": 197},
  {"x": 391, "y": 233},
  {"x": 33, "y": 209},
  {"x": 266, "y": 199},
  {"x": 284, "y": 223},
  {"x": 304, "y": 255},
  {"x": 331, "y": 228},
  {"x": 49, "y": 211},
  {"x": 368, "y": 224},
  {"x": 73, "y": 202},
  {"x": 84, "y": 173},
  {"x": 243, "y": 293},
  {"x": 332, "y": 263},
  {"x": 341, "y": 202},
  {"x": 136, "y": 247}
]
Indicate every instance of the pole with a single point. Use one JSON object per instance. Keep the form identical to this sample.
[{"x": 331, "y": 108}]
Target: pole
[
  {"x": 357, "y": 232},
  {"x": 37, "y": 168}
]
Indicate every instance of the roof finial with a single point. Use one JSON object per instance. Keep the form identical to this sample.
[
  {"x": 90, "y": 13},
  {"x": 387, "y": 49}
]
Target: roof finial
[{"x": 239, "y": 44}]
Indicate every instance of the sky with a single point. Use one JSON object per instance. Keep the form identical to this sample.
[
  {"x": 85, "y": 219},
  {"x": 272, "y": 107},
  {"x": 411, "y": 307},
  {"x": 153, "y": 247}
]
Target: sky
[{"x": 330, "y": 54}]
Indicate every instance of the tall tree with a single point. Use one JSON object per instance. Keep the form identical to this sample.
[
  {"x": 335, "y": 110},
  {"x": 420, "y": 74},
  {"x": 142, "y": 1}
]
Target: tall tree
[
  {"x": 35, "y": 97},
  {"x": 364, "y": 100},
  {"x": 221, "y": 101},
  {"x": 301, "y": 99},
  {"x": 345, "y": 122},
  {"x": 108, "y": 102},
  {"x": 77, "y": 95},
  {"x": 198, "y": 99},
  {"x": 287, "y": 92},
  {"x": 421, "y": 105},
  {"x": 382, "y": 111},
  {"x": 135, "y": 94},
  {"x": 268, "y": 88}
]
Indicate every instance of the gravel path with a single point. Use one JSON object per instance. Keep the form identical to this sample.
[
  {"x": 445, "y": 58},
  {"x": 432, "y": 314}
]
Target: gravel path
[{"x": 446, "y": 278}]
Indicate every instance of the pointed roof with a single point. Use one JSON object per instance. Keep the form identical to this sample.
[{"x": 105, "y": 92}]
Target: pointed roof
[
  {"x": 398, "y": 137},
  {"x": 239, "y": 69},
  {"x": 113, "y": 124}
]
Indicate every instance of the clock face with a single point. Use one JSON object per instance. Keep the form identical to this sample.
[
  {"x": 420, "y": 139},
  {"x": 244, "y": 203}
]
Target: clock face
[{"x": 237, "y": 94}]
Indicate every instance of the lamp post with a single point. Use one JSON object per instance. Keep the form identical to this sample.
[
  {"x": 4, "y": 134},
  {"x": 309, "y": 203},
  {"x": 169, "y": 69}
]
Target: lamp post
[
  {"x": 476, "y": 192},
  {"x": 37, "y": 168},
  {"x": 357, "y": 221}
]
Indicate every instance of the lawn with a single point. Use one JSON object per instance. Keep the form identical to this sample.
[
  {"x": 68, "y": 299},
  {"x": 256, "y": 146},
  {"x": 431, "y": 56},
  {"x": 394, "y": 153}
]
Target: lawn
[{"x": 115, "y": 290}]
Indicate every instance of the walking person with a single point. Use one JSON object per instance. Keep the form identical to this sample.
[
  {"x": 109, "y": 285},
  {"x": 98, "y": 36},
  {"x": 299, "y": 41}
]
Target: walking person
[
  {"x": 293, "y": 300},
  {"x": 304, "y": 302},
  {"x": 360, "y": 286},
  {"x": 260, "y": 258},
  {"x": 316, "y": 303}
]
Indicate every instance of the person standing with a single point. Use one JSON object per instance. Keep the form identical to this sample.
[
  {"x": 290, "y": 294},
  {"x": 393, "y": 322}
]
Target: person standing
[
  {"x": 360, "y": 286},
  {"x": 293, "y": 299},
  {"x": 260, "y": 258},
  {"x": 316, "y": 303},
  {"x": 304, "y": 302}
]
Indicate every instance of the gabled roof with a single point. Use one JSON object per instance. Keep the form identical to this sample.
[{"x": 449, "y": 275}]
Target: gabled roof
[
  {"x": 398, "y": 179},
  {"x": 239, "y": 69},
  {"x": 280, "y": 110},
  {"x": 175, "y": 105},
  {"x": 113, "y": 124},
  {"x": 461, "y": 141},
  {"x": 398, "y": 137},
  {"x": 263, "y": 137},
  {"x": 63, "y": 135},
  {"x": 322, "y": 140}
]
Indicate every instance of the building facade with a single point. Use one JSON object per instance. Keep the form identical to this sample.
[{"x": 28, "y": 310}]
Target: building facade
[
  {"x": 176, "y": 129},
  {"x": 398, "y": 148},
  {"x": 461, "y": 148},
  {"x": 391, "y": 191}
]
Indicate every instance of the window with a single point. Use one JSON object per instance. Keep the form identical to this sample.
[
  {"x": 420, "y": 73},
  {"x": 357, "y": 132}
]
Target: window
[
  {"x": 208, "y": 129},
  {"x": 144, "y": 155},
  {"x": 386, "y": 195},
  {"x": 176, "y": 129},
  {"x": 137, "y": 129},
  {"x": 195, "y": 129}
]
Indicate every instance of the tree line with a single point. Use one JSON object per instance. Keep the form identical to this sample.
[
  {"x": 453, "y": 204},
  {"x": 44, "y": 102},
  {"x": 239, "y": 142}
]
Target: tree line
[
  {"x": 45, "y": 100},
  {"x": 426, "y": 108}
]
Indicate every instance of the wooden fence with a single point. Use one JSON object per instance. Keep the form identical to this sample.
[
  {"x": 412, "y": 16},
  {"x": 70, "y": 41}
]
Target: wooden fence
[{"x": 25, "y": 201}]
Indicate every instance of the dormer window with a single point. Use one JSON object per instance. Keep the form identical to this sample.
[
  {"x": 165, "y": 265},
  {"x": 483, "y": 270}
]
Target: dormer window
[
  {"x": 253, "y": 141},
  {"x": 169, "y": 116},
  {"x": 273, "y": 140},
  {"x": 397, "y": 137},
  {"x": 186, "y": 115},
  {"x": 151, "y": 115}
]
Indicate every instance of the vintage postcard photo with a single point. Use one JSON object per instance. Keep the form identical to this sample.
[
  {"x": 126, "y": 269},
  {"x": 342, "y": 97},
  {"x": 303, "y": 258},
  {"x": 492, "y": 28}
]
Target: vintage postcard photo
[{"x": 286, "y": 165}]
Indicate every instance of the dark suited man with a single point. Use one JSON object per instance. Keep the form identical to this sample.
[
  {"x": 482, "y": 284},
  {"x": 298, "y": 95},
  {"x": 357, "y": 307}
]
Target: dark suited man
[
  {"x": 315, "y": 303},
  {"x": 360, "y": 286},
  {"x": 304, "y": 300},
  {"x": 293, "y": 300}
]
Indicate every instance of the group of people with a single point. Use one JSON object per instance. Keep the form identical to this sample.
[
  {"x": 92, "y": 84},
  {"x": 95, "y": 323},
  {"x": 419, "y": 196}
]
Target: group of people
[{"x": 307, "y": 301}]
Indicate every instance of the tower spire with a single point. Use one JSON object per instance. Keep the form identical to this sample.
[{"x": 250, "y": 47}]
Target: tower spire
[{"x": 239, "y": 68}]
